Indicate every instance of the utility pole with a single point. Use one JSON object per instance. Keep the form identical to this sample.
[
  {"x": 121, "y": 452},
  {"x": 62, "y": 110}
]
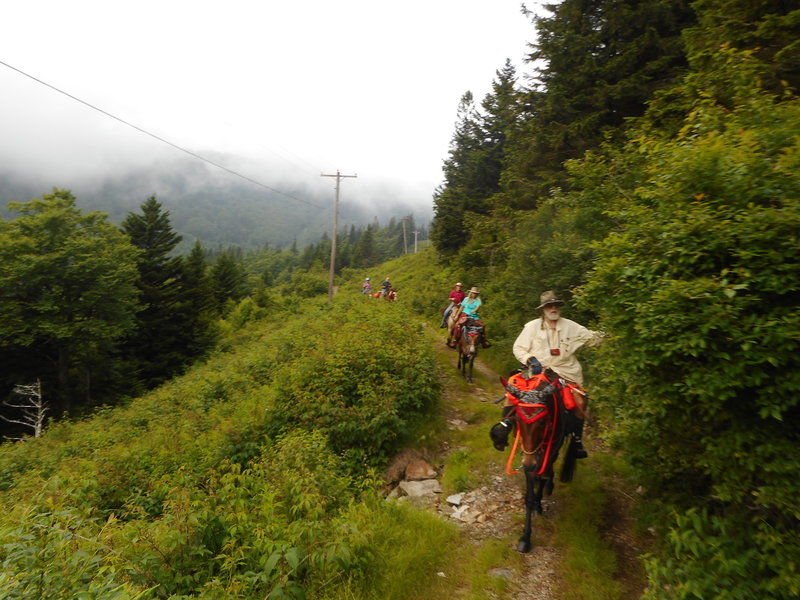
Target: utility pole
[
  {"x": 335, "y": 227},
  {"x": 405, "y": 242},
  {"x": 415, "y": 240}
]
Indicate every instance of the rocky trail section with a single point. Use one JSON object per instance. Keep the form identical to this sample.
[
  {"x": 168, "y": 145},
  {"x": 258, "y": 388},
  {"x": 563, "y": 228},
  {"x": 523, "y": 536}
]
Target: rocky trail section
[{"x": 491, "y": 511}]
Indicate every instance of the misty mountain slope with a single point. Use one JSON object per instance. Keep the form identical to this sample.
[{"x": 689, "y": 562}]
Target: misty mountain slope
[{"x": 209, "y": 204}]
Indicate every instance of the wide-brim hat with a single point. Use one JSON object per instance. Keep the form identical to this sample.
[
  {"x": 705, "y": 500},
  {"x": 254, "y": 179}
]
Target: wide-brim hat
[
  {"x": 547, "y": 298},
  {"x": 474, "y": 290}
]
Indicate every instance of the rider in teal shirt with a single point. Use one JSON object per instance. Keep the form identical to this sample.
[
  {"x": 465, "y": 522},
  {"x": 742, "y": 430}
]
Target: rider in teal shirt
[{"x": 471, "y": 304}]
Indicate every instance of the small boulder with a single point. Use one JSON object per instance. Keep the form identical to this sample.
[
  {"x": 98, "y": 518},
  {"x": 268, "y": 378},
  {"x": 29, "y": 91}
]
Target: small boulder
[
  {"x": 420, "y": 488},
  {"x": 418, "y": 470}
]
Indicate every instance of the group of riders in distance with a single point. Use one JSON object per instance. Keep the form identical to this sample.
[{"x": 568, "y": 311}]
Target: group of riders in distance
[{"x": 387, "y": 291}]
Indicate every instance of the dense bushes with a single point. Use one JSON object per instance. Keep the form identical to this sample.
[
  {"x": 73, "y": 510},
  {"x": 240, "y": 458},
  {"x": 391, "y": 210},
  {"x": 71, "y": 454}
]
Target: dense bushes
[
  {"x": 236, "y": 480},
  {"x": 699, "y": 290},
  {"x": 360, "y": 384}
]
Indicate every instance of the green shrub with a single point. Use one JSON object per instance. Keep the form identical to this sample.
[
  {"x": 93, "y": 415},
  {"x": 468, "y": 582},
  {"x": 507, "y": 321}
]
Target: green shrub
[
  {"x": 362, "y": 373},
  {"x": 699, "y": 291}
]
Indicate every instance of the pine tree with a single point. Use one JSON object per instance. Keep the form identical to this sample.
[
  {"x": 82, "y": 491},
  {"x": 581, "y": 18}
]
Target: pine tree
[
  {"x": 156, "y": 349},
  {"x": 228, "y": 279},
  {"x": 366, "y": 254},
  {"x": 603, "y": 60},
  {"x": 769, "y": 28},
  {"x": 476, "y": 158},
  {"x": 197, "y": 302}
]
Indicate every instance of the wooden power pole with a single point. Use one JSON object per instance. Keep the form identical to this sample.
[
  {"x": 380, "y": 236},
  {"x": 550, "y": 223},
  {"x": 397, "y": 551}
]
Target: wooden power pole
[{"x": 335, "y": 227}]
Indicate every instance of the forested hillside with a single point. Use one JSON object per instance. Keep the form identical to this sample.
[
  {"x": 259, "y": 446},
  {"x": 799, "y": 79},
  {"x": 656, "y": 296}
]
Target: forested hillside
[
  {"x": 649, "y": 173},
  {"x": 92, "y": 314}
]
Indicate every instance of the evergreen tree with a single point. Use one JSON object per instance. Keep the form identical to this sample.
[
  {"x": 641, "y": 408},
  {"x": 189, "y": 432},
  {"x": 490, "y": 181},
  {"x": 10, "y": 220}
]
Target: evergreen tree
[
  {"x": 459, "y": 193},
  {"x": 365, "y": 254},
  {"x": 198, "y": 303},
  {"x": 228, "y": 279},
  {"x": 769, "y": 28},
  {"x": 157, "y": 348},
  {"x": 476, "y": 158},
  {"x": 500, "y": 119},
  {"x": 603, "y": 60}
]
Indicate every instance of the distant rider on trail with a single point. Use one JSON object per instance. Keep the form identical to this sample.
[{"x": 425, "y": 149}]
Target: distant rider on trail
[
  {"x": 469, "y": 311},
  {"x": 455, "y": 298}
]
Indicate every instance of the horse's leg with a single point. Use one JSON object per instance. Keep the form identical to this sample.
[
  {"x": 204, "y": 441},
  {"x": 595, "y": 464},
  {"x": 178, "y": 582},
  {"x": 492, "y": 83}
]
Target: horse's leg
[
  {"x": 471, "y": 364},
  {"x": 533, "y": 503}
]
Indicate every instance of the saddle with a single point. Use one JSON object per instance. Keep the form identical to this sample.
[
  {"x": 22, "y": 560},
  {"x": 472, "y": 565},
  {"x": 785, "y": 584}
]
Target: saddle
[{"x": 472, "y": 325}]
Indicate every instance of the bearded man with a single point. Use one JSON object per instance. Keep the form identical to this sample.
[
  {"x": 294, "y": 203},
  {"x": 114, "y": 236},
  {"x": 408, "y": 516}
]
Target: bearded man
[{"x": 553, "y": 341}]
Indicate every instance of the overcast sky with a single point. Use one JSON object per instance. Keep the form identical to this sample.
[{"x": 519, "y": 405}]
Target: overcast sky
[{"x": 363, "y": 86}]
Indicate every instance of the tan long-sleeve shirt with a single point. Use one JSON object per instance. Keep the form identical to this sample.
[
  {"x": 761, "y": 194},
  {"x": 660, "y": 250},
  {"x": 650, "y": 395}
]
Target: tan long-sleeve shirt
[{"x": 536, "y": 339}]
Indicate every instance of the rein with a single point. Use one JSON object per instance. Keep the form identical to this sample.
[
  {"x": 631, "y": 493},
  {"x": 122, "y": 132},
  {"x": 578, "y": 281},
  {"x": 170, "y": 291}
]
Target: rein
[{"x": 548, "y": 439}]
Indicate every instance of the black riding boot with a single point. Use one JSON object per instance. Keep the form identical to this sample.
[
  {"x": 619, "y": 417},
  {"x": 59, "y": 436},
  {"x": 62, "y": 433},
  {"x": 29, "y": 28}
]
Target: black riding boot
[
  {"x": 499, "y": 431},
  {"x": 484, "y": 341},
  {"x": 580, "y": 451}
]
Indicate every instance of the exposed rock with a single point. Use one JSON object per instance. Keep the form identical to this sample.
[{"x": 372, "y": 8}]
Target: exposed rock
[
  {"x": 502, "y": 573},
  {"x": 418, "y": 470},
  {"x": 455, "y": 499},
  {"x": 459, "y": 424},
  {"x": 396, "y": 470},
  {"x": 458, "y": 512},
  {"x": 395, "y": 493},
  {"x": 421, "y": 488}
]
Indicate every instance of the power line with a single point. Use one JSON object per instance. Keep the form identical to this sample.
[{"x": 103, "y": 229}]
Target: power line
[{"x": 160, "y": 139}]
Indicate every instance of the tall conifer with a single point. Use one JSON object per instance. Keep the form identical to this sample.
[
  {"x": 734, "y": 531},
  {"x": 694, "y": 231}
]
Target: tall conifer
[
  {"x": 602, "y": 61},
  {"x": 156, "y": 350}
]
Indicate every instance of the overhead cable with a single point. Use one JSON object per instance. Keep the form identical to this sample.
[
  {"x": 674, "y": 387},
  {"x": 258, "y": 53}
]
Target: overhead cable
[{"x": 160, "y": 139}]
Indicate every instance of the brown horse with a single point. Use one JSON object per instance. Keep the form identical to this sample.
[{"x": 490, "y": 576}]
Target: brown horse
[
  {"x": 542, "y": 423},
  {"x": 467, "y": 346}
]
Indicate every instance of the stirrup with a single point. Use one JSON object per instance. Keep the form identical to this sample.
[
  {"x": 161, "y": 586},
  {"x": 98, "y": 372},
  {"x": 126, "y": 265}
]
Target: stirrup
[{"x": 580, "y": 451}]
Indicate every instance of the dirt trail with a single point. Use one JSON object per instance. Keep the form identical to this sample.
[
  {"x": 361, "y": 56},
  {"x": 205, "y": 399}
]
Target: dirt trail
[
  {"x": 495, "y": 509},
  {"x": 500, "y": 505}
]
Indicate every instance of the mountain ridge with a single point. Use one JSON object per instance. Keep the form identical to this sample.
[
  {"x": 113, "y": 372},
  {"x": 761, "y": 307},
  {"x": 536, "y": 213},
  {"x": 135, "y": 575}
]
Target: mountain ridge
[{"x": 216, "y": 208}]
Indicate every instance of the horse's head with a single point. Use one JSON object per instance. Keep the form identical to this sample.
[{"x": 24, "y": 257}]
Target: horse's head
[
  {"x": 536, "y": 411},
  {"x": 471, "y": 335}
]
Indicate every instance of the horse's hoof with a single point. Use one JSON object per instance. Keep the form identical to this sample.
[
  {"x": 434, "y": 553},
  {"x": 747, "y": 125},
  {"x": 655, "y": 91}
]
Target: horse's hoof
[{"x": 523, "y": 546}]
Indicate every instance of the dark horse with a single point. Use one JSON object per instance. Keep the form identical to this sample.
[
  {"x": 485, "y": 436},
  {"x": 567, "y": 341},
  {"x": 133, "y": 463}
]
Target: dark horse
[
  {"x": 543, "y": 423},
  {"x": 467, "y": 346}
]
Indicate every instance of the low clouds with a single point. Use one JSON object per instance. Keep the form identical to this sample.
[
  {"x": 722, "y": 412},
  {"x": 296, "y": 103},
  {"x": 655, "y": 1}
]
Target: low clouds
[{"x": 291, "y": 91}]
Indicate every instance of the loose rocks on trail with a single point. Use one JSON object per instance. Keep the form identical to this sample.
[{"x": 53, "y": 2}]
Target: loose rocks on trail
[{"x": 489, "y": 512}]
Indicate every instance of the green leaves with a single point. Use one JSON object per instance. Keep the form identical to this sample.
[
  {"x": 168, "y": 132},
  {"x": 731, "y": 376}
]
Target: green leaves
[
  {"x": 699, "y": 288},
  {"x": 68, "y": 286}
]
